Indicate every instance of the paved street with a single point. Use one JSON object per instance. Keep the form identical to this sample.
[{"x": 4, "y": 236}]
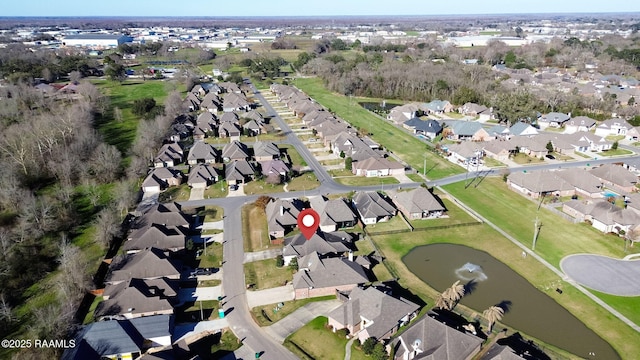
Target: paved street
[
  {"x": 290, "y": 324},
  {"x": 270, "y": 296},
  {"x": 604, "y": 274}
]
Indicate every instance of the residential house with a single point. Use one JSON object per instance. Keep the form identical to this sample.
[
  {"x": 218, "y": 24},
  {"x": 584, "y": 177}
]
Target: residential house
[
  {"x": 372, "y": 313},
  {"x": 191, "y": 102},
  {"x": 373, "y": 207},
  {"x": 377, "y": 166},
  {"x": 282, "y": 216},
  {"x": 632, "y": 202},
  {"x": 137, "y": 298},
  {"x": 539, "y": 183},
  {"x": 579, "y": 123},
  {"x": 202, "y": 153},
  {"x": 482, "y": 112},
  {"x": 202, "y": 175},
  {"x": 235, "y": 102},
  {"x": 553, "y": 119},
  {"x": 586, "y": 141},
  {"x": 428, "y": 128},
  {"x": 169, "y": 155},
  {"x": 323, "y": 243},
  {"x": 522, "y": 129},
  {"x": 253, "y": 128},
  {"x": 334, "y": 214},
  {"x": 275, "y": 171},
  {"x": 121, "y": 339},
  {"x": 239, "y": 172},
  {"x": 431, "y": 339},
  {"x": 265, "y": 150},
  {"x": 235, "y": 150},
  {"x": 229, "y": 87},
  {"x": 616, "y": 177},
  {"x": 465, "y": 130},
  {"x": 322, "y": 277},
  {"x": 231, "y": 117},
  {"x": 147, "y": 264},
  {"x": 499, "y": 150},
  {"x": 168, "y": 214},
  {"x": 161, "y": 178},
  {"x": 212, "y": 102},
  {"x": 402, "y": 113},
  {"x": 613, "y": 127},
  {"x": 160, "y": 236},
  {"x": 530, "y": 146},
  {"x": 499, "y": 132},
  {"x": 229, "y": 130},
  {"x": 603, "y": 215},
  {"x": 585, "y": 183},
  {"x": 466, "y": 153},
  {"x": 418, "y": 203},
  {"x": 438, "y": 107}
]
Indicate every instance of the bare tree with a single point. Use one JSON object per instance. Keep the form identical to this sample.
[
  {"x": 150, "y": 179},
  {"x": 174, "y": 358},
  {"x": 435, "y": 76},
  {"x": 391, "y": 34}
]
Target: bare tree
[
  {"x": 107, "y": 226},
  {"x": 173, "y": 104}
]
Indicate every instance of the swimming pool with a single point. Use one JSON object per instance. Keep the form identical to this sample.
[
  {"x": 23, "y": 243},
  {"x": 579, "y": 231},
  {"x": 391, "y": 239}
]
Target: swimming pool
[{"x": 609, "y": 193}]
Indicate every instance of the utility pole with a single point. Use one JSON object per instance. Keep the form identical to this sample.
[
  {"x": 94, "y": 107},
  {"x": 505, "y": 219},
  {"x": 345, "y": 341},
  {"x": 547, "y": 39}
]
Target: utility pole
[{"x": 536, "y": 229}]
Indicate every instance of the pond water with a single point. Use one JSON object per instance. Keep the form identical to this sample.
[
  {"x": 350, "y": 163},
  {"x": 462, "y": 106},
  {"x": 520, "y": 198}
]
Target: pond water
[
  {"x": 377, "y": 107},
  {"x": 530, "y": 310}
]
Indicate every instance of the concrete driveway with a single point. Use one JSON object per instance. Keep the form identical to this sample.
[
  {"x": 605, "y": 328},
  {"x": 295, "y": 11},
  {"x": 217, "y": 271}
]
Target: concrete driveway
[
  {"x": 239, "y": 192},
  {"x": 190, "y": 329},
  {"x": 270, "y": 296},
  {"x": 297, "y": 319},
  {"x": 196, "y": 194},
  {"x": 199, "y": 294},
  {"x": 604, "y": 274},
  {"x": 261, "y": 255}
]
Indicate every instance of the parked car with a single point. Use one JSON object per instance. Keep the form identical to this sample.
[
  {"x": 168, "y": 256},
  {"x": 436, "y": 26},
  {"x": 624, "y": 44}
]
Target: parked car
[
  {"x": 201, "y": 272},
  {"x": 233, "y": 187},
  {"x": 550, "y": 157}
]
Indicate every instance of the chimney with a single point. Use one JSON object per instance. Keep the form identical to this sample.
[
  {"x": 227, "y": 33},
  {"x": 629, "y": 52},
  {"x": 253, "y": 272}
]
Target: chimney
[
  {"x": 350, "y": 255},
  {"x": 281, "y": 210}
]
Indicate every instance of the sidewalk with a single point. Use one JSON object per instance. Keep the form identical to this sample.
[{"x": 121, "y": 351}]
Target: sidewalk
[
  {"x": 270, "y": 296},
  {"x": 261, "y": 255}
]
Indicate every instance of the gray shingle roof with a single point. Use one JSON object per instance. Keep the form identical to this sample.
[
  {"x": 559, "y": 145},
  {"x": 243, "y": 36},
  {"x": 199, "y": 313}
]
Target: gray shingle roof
[
  {"x": 332, "y": 211},
  {"x": 321, "y": 242},
  {"x": 147, "y": 264},
  {"x": 321, "y": 273},
  {"x": 372, "y": 205},
  {"x": 417, "y": 200},
  {"x": 203, "y": 151},
  {"x": 235, "y": 150}
]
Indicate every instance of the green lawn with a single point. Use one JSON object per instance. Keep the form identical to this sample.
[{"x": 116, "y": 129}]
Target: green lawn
[
  {"x": 175, "y": 193},
  {"x": 616, "y": 152},
  {"x": 406, "y": 146},
  {"x": 213, "y": 258},
  {"x": 455, "y": 216},
  {"x": 264, "y": 274},
  {"x": 228, "y": 343},
  {"x": 315, "y": 341},
  {"x": 366, "y": 181},
  {"x": 256, "y": 235},
  {"x": 490, "y": 162},
  {"x": 522, "y": 158},
  {"x": 288, "y": 308},
  {"x": 89, "y": 317},
  {"x": 212, "y": 213},
  {"x": 395, "y": 223},
  {"x": 216, "y": 190},
  {"x": 122, "y": 133},
  {"x": 415, "y": 177},
  {"x": 305, "y": 181},
  {"x": 296, "y": 159}
]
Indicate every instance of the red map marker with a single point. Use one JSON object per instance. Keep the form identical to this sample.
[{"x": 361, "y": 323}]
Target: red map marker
[{"x": 308, "y": 222}]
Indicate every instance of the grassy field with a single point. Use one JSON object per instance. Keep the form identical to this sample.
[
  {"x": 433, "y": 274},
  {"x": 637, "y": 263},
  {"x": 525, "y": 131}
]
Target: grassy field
[
  {"x": 522, "y": 158},
  {"x": 212, "y": 213},
  {"x": 395, "y": 223},
  {"x": 455, "y": 216},
  {"x": 256, "y": 236},
  {"x": 216, "y": 190},
  {"x": 264, "y": 274},
  {"x": 365, "y": 181},
  {"x": 288, "y": 308},
  {"x": 213, "y": 257},
  {"x": 306, "y": 181},
  {"x": 296, "y": 159},
  {"x": 616, "y": 152},
  {"x": 122, "y": 133},
  {"x": 315, "y": 341},
  {"x": 175, "y": 193},
  {"x": 407, "y": 147}
]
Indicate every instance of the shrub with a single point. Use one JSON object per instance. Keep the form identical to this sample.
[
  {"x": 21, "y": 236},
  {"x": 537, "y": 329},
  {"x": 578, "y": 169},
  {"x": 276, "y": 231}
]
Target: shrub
[{"x": 279, "y": 261}]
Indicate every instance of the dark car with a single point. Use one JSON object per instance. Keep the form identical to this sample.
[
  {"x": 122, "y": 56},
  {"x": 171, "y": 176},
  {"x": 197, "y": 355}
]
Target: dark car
[
  {"x": 550, "y": 157},
  {"x": 201, "y": 272}
]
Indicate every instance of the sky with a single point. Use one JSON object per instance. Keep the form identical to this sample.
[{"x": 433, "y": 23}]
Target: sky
[{"x": 245, "y": 8}]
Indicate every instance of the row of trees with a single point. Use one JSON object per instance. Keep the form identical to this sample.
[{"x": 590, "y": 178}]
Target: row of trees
[{"x": 450, "y": 297}]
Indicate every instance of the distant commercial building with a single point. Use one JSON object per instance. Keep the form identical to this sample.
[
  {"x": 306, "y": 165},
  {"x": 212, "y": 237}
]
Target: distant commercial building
[{"x": 96, "y": 40}]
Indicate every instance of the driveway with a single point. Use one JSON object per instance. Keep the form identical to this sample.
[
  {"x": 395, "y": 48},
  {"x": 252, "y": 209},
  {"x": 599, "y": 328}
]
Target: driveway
[
  {"x": 297, "y": 319},
  {"x": 403, "y": 178},
  {"x": 261, "y": 255},
  {"x": 196, "y": 194},
  {"x": 213, "y": 225},
  {"x": 604, "y": 274},
  {"x": 270, "y": 296},
  {"x": 189, "y": 329},
  {"x": 199, "y": 293},
  {"x": 239, "y": 192}
]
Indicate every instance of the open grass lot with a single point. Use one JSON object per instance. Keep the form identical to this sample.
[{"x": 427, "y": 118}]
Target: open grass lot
[
  {"x": 175, "y": 193},
  {"x": 305, "y": 181},
  {"x": 415, "y": 177},
  {"x": 455, "y": 213},
  {"x": 122, "y": 95},
  {"x": 216, "y": 190},
  {"x": 395, "y": 223},
  {"x": 296, "y": 159},
  {"x": 522, "y": 158},
  {"x": 315, "y": 341},
  {"x": 212, "y": 213},
  {"x": 365, "y": 181},
  {"x": 490, "y": 162},
  {"x": 213, "y": 257},
  {"x": 407, "y": 147},
  {"x": 256, "y": 235},
  {"x": 288, "y": 308},
  {"x": 264, "y": 274},
  {"x": 273, "y": 136}
]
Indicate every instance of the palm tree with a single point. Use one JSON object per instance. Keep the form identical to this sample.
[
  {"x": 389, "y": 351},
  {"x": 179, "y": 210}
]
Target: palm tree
[
  {"x": 493, "y": 314},
  {"x": 441, "y": 302},
  {"x": 454, "y": 294}
]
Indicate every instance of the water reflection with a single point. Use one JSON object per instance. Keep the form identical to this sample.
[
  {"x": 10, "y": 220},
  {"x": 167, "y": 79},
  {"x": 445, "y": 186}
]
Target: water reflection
[{"x": 490, "y": 282}]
